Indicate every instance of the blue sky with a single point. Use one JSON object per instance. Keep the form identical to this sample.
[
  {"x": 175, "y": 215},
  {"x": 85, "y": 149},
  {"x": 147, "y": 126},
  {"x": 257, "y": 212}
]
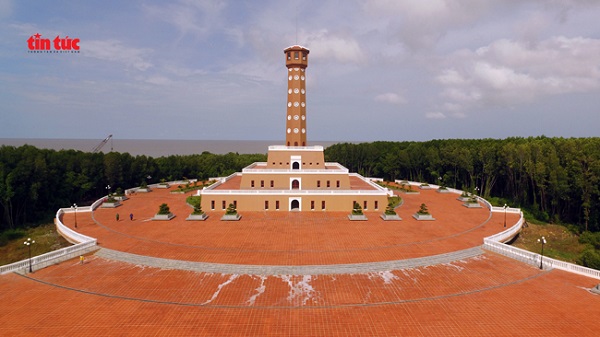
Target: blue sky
[{"x": 378, "y": 69}]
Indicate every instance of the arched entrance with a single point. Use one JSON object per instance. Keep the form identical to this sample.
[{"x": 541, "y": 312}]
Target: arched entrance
[
  {"x": 295, "y": 205},
  {"x": 295, "y": 165},
  {"x": 295, "y": 184}
]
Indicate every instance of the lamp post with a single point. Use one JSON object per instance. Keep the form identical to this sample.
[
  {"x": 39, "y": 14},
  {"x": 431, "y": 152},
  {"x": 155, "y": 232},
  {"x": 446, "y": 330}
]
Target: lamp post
[
  {"x": 108, "y": 190},
  {"x": 542, "y": 240},
  {"x": 74, "y": 207},
  {"x": 28, "y": 243},
  {"x": 505, "y": 207}
]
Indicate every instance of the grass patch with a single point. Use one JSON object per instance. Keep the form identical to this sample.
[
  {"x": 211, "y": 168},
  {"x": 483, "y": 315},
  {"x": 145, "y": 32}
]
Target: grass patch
[
  {"x": 562, "y": 243},
  {"x": 46, "y": 239}
]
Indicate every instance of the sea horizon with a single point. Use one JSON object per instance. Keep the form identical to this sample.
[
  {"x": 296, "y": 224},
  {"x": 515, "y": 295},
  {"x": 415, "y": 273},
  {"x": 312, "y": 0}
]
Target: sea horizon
[{"x": 153, "y": 147}]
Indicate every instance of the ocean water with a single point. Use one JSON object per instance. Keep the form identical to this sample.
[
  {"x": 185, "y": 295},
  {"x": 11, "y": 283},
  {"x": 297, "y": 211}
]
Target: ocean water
[{"x": 154, "y": 147}]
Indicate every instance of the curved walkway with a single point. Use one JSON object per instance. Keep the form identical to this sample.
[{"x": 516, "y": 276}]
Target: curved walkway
[{"x": 265, "y": 270}]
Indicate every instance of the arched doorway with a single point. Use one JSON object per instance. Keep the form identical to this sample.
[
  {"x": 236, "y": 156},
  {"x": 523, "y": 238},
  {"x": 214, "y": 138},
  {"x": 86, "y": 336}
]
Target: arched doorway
[
  {"x": 295, "y": 165},
  {"x": 295, "y": 184},
  {"x": 295, "y": 205}
]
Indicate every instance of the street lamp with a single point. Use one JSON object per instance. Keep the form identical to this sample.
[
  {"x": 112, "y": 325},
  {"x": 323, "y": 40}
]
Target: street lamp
[
  {"x": 74, "y": 207},
  {"x": 28, "y": 243},
  {"x": 108, "y": 190},
  {"x": 543, "y": 242},
  {"x": 505, "y": 207}
]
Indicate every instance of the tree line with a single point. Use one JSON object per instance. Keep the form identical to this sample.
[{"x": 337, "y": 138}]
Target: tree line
[
  {"x": 556, "y": 179},
  {"x": 35, "y": 182}
]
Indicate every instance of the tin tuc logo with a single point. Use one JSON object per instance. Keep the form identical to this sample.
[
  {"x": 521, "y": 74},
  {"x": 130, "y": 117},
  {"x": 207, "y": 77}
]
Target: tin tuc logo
[{"x": 36, "y": 44}]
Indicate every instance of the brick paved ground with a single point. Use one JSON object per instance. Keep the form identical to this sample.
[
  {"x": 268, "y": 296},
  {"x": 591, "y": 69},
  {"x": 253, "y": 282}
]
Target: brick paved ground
[
  {"x": 481, "y": 295},
  {"x": 283, "y": 238}
]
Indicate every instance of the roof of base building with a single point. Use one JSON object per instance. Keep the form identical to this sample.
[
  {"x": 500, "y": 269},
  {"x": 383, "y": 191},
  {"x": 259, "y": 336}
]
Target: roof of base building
[
  {"x": 356, "y": 184},
  {"x": 148, "y": 277}
]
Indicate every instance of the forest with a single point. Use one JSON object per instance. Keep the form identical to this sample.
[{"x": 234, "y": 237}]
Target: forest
[
  {"x": 35, "y": 182},
  {"x": 554, "y": 179}
]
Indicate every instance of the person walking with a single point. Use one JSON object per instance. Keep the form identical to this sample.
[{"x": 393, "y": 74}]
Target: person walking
[
  {"x": 131, "y": 216},
  {"x": 117, "y": 216}
]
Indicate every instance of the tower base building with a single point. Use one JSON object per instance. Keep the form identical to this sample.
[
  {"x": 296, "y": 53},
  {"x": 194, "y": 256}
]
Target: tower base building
[{"x": 295, "y": 176}]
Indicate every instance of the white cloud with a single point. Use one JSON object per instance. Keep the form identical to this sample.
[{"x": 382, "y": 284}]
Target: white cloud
[
  {"x": 435, "y": 115},
  {"x": 390, "y": 97},
  {"x": 508, "y": 72},
  {"x": 325, "y": 45},
  {"x": 116, "y": 51},
  {"x": 197, "y": 17}
]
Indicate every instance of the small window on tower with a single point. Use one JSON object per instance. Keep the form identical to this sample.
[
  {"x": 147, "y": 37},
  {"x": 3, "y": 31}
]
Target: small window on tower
[
  {"x": 303, "y": 56},
  {"x": 295, "y": 55},
  {"x": 289, "y": 56}
]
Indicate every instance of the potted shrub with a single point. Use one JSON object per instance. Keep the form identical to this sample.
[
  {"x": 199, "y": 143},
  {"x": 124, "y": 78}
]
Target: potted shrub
[
  {"x": 198, "y": 213},
  {"x": 423, "y": 213},
  {"x": 472, "y": 202},
  {"x": 443, "y": 189},
  {"x": 164, "y": 213},
  {"x": 390, "y": 214},
  {"x": 357, "y": 213},
  {"x": 231, "y": 214},
  {"x": 111, "y": 202},
  {"x": 119, "y": 195},
  {"x": 464, "y": 196},
  {"x": 143, "y": 187},
  {"x": 425, "y": 186},
  {"x": 163, "y": 184}
]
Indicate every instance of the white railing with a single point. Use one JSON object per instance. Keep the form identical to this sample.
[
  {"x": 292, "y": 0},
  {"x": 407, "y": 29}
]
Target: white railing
[
  {"x": 47, "y": 259},
  {"x": 82, "y": 244},
  {"x": 495, "y": 244},
  {"x": 295, "y": 148},
  {"x": 293, "y": 192},
  {"x": 69, "y": 234}
]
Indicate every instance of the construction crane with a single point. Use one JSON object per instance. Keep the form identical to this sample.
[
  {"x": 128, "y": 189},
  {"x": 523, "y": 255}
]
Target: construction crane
[{"x": 102, "y": 143}]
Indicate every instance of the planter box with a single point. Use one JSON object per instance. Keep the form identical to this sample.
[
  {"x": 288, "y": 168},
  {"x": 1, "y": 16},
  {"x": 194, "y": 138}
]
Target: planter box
[
  {"x": 360, "y": 217},
  {"x": 231, "y": 217},
  {"x": 120, "y": 197},
  {"x": 387, "y": 217},
  {"x": 144, "y": 190},
  {"x": 463, "y": 199},
  {"x": 163, "y": 217},
  {"x": 596, "y": 289},
  {"x": 425, "y": 187},
  {"x": 443, "y": 190},
  {"x": 111, "y": 204},
  {"x": 409, "y": 192},
  {"x": 472, "y": 205},
  {"x": 197, "y": 217},
  {"x": 423, "y": 217},
  {"x": 162, "y": 186},
  {"x": 177, "y": 192}
]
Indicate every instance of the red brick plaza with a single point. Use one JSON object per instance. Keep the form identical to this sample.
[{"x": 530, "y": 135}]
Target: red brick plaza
[{"x": 295, "y": 274}]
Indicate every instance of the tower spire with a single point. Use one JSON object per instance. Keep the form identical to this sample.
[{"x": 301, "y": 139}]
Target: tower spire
[{"x": 296, "y": 63}]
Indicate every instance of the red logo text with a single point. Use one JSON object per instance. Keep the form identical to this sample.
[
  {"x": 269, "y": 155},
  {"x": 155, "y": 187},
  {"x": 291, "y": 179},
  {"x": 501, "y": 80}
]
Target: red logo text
[{"x": 36, "y": 44}]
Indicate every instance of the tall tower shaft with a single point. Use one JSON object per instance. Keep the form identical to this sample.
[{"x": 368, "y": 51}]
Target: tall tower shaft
[{"x": 295, "y": 127}]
